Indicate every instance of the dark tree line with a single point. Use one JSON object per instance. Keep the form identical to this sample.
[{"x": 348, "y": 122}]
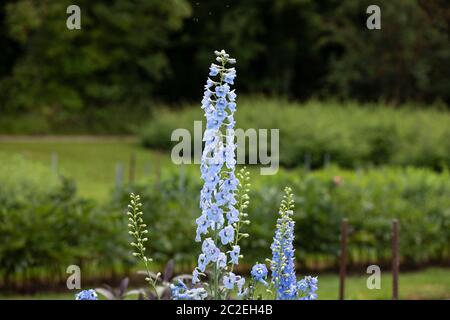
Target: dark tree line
[{"x": 130, "y": 52}]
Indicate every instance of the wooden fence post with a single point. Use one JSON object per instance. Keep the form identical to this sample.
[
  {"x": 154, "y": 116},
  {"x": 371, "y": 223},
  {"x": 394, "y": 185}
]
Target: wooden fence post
[
  {"x": 119, "y": 175},
  {"x": 343, "y": 258},
  {"x": 54, "y": 163},
  {"x": 132, "y": 168},
  {"x": 182, "y": 177},
  {"x": 148, "y": 169},
  {"x": 158, "y": 170},
  {"x": 326, "y": 160},
  {"x": 395, "y": 259},
  {"x": 307, "y": 161}
]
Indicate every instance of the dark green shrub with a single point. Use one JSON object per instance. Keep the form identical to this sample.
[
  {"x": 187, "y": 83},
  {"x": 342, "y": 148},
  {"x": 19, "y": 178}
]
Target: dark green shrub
[
  {"x": 170, "y": 209},
  {"x": 370, "y": 199},
  {"x": 45, "y": 227}
]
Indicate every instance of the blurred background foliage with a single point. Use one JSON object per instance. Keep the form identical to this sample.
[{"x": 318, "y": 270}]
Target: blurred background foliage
[{"x": 131, "y": 52}]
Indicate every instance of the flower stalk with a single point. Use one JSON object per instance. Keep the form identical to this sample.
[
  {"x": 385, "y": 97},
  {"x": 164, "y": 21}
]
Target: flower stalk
[{"x": 137, "y": 229}]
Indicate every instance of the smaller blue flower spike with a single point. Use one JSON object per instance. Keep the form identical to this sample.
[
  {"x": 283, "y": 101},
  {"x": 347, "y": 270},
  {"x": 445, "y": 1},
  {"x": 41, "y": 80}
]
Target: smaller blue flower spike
[{"x": 282, "y": 264}]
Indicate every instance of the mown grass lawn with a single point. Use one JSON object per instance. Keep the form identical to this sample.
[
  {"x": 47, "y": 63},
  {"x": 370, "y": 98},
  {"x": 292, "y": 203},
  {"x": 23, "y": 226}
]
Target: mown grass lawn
[
  {"x": 91, "y": 162},
  {"x": 432, "y": 283}
]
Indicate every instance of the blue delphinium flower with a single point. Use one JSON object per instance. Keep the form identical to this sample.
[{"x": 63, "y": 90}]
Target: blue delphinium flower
[
  {"x": 181, "y": 292},
  {"x": 221, "y": 261},
  {"x": 234, "y": 254},
  {"x": 178, "y": 290},
  {"x": 221, "y": 103},
  {"x": 217, "y": 197},
  {"x": 240, "y": 285},
  {"x": 230, "y": 75},
  {"x": 221, "y": 91},
  {"x": 307, "y": 288},
  {"x": 209, "y": 84},
  {"x": 210, "y": 250},
  {"x": 86, "y": 295},
  {"x": 202, "y": 262},
  {"x": 232, "y": 215},
  {"x": 226, "y": 235},
  {"x": 195, "y": 276},
  {"x": 202, "y": 226},
  {"x": 197, "y": 294},
  {"x": 229, "y": 280},
  {"x": 213, "y": 70},
  {"x": 259, "y": 273},
  {"x": 215, "y": 216},
  {"x": 231, "y": 97}
]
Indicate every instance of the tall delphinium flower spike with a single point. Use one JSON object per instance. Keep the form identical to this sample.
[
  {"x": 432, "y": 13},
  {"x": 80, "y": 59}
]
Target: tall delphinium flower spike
[
  {"x": 216, "y": 224},
  {"x": 137, "y": 229},
  {"x": 282, "y": 263}
]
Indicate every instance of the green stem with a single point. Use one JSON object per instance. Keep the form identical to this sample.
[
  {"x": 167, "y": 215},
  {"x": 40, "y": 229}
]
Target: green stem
[
  {"x": 216, "y": 294},
  {"x": 152, "y": 283}
]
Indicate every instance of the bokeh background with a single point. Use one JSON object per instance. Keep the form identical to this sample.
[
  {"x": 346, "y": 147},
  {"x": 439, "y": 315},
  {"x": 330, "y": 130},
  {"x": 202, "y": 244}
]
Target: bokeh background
[{"x": 86, "y": 117}]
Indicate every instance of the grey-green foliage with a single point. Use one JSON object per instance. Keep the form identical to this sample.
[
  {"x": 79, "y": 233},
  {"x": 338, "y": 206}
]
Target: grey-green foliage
[{"x": 350, "y": 135}]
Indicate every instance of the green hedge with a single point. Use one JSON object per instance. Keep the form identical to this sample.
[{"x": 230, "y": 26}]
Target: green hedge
[
  {"x": 370, "y": 199},
  {"x": 45, "y": 227},
  {"x": 347, "y": 134}
]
